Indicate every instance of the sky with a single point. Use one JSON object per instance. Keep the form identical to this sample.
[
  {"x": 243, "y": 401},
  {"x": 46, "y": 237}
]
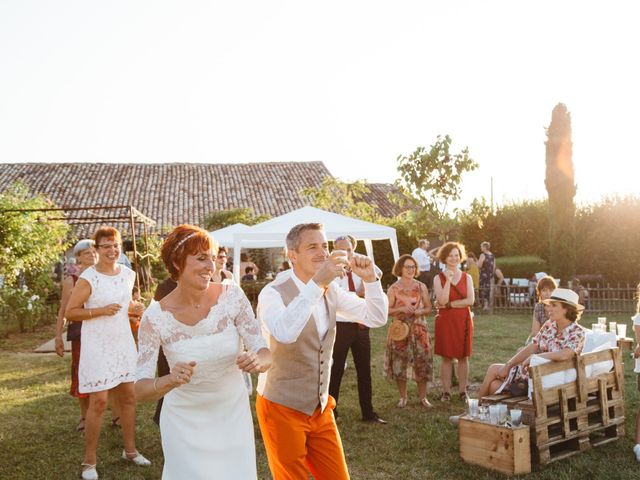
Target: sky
[{"x": 353, "y": 84}]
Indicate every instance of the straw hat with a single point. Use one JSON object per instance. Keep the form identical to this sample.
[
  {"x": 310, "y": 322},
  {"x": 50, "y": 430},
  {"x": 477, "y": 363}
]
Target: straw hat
[
  {"x": 564, "y": 295},
  {"x": 398, "y": 330}
]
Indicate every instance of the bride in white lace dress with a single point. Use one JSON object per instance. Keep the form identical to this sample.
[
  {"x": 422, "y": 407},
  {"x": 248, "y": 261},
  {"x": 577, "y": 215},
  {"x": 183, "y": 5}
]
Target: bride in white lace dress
[{"x": 206, "y": 426}]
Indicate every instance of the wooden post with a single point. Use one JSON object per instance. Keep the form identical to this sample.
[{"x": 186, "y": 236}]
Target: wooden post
[
  {"x": 135, "y": 248},
  {"x": 146, "y": 248}
]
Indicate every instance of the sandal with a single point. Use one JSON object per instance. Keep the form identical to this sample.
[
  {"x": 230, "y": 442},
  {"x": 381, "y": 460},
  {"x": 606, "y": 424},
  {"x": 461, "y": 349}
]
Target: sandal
[
  {"x": 137, "y": 458},
  {"x": 426, "y": 403},
  {"x": 89, "y": 471},
  {"x": 445, "y": 397},
  {"x": 463, "y": 396},
  {"x": 80, "y": 427},
  {"x": 403, "y": 402},
  {"x": 115, "y": 423}
]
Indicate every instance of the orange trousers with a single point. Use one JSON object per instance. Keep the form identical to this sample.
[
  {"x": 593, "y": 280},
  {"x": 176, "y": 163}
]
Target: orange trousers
[{"x": 297, "y": 443}]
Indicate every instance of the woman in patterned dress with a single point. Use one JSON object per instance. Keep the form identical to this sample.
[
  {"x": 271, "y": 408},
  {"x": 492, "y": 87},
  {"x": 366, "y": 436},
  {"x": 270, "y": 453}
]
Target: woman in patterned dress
[
  {"x": 411, "y": 357},
  {"x": 102, "y": 299},
  {"x": 560, "y": 338},
  {"x": 487, "y": 266}
]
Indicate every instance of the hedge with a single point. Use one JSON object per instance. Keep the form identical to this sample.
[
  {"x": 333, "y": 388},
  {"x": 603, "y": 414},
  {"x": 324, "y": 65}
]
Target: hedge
[{"x": 523, "y": 266}]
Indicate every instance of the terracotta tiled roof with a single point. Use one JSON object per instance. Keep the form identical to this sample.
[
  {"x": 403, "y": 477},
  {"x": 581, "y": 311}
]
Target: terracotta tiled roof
[
  {"x": 379, "y": 196},
  {"x": 177, "y": 193}
]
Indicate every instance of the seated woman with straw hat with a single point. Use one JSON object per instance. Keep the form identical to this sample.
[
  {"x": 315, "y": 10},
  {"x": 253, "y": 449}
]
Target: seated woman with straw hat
[{"x": 558, "y": 339}]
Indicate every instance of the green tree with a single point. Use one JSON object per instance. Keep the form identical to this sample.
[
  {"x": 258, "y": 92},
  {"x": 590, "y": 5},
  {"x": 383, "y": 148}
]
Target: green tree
[
  {"x": 336, "y": 196},
  {"x": 31, "y": 242},
  {"x": 609, "y": 233},
  {"x": 514, "y": 229},
  {"x": 559, "y": 181},
  {"x": 429, "y": 180}
]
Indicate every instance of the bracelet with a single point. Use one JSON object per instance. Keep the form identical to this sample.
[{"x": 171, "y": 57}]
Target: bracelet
[{"x": 155, "y": 384}]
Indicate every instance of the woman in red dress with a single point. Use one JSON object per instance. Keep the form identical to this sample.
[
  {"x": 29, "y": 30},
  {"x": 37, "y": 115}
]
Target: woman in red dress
[{"x": 454, "y": 324}]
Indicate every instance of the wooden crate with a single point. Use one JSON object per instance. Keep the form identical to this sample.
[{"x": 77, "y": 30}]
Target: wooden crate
[{"x": 504, "y": 449}]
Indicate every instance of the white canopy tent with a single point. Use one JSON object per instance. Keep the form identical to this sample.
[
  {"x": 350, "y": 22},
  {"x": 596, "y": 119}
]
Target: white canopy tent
[
  {"x": 224, "y": 236},
  {"x": 273, "y": 232}
]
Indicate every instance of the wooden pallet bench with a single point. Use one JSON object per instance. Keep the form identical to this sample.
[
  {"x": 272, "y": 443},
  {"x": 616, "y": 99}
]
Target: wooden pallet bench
[{"x": 572, "y": 417}]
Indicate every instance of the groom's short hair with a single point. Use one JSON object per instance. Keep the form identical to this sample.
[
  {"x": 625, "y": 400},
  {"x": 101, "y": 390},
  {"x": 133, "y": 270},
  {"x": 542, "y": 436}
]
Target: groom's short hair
[{"x": 293, "y": 237}]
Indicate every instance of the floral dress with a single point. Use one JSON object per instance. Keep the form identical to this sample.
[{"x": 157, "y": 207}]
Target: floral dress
[
  {"x": 411, "y": 358},
  {"x": 551, "y": 339},
  {"x": 486, "y": 273}
]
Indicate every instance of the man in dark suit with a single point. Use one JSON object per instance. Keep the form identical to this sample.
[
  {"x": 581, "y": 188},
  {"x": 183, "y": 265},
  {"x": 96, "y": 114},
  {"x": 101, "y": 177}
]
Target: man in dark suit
[{"x": 354, "y": 336}]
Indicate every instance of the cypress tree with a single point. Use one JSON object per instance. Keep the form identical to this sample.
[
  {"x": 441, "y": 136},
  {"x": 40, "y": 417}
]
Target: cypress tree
[{"x": 561, "y": 188}]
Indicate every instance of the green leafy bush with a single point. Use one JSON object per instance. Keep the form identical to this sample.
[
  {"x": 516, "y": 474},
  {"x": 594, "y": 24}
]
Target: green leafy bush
[
  {"x": 31, "y": 242},
  {"x": 521, "y": 266}
]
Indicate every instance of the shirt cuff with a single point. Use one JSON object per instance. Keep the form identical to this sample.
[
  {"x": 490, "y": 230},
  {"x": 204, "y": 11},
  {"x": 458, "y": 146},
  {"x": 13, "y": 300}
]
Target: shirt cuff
[
  {"x": 373, "y": 289},
  {"x": 636, "y": 319}
]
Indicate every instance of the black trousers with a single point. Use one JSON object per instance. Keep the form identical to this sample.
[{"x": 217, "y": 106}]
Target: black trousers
[{"x": 352, "y": 336}]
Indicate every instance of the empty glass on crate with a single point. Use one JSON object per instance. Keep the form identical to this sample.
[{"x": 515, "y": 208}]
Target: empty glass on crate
[
  {"x": 473, "y": 407},
  {"x": 622, "y": 330},
  {"x": 494, "y": 414},
  {"x": 483, "y": 413},
  {"x": 602, "y": 320},
  {"x": 516, "y": 417},
  {"x": 612, "y": 327},
  {"x": 503, "y": 413}
]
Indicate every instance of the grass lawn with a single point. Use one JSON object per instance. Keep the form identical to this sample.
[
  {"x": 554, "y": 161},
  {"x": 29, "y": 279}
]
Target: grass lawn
[{"x": 38, "y": 440}]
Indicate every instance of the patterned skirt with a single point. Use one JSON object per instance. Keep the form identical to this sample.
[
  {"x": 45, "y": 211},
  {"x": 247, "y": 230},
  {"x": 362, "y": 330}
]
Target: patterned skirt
[{"x": 411, "y": 358}]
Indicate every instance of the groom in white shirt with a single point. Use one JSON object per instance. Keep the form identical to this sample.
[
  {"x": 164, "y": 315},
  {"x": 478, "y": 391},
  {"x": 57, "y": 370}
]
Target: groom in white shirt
[{"x": 298, "y": 315}]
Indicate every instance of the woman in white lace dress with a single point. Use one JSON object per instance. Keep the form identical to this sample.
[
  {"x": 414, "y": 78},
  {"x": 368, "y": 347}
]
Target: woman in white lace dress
[
  {"x": 206, "y": 425},
  {"x": 102, "y": 300}
]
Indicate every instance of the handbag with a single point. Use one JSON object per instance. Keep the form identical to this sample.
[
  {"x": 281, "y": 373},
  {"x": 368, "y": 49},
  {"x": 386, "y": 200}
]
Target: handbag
[
  {"x": 518, "y": 387},
  {"x": 398, "y": 330}
]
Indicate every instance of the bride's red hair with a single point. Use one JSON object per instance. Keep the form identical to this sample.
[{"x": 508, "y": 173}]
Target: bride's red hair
[{"x": 184, "y": 240}]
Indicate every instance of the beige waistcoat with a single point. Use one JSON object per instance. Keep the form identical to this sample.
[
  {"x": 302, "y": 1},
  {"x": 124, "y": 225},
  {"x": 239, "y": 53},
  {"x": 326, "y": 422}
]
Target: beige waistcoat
[{"x": 299, "y": 373}]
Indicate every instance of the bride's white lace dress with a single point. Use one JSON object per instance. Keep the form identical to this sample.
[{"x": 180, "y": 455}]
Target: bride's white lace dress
[{"x": 206, "y": 426}]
